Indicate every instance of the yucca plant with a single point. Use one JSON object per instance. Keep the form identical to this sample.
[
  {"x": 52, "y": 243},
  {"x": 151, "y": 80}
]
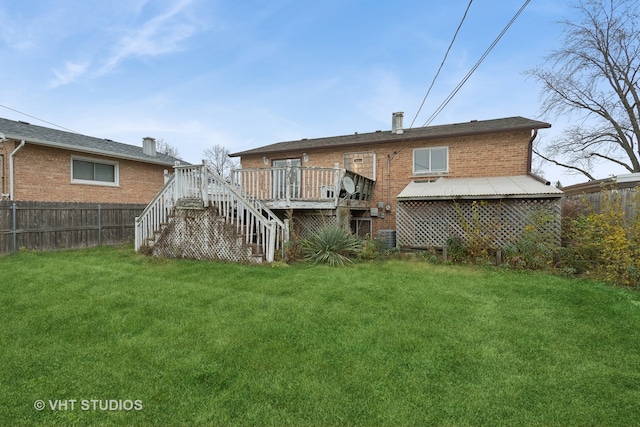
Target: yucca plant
[{"x": 332, "y": 245}]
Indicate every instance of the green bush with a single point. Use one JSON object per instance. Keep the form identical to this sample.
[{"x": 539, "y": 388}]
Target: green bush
[
  {"x": 332, "y": 245},
  {"x": 456, "y": 250},
  {"x": 606, "y": 245},
  {"x": 536, "y": 246},
  {"x": 371, "y": 249}
]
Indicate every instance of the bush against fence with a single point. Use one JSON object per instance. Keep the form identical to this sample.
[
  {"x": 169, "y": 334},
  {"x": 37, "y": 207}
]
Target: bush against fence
[{"x": 60, "y": 225}]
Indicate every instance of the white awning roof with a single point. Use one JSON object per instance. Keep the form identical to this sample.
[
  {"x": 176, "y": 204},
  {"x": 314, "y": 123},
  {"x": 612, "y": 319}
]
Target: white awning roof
[{"x": 524, "y": 186}]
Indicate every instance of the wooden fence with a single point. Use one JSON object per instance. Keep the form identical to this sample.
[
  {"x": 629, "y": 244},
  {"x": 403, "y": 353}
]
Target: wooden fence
[
  {"x": 627, "y": 198},
  {"x": 51, "y": 225}
]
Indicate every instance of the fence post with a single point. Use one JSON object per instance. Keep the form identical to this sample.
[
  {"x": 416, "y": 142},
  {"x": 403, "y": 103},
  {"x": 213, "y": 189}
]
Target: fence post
[
  {"x": 13, "y": 227},
  {"x": 99, "y": 225}
]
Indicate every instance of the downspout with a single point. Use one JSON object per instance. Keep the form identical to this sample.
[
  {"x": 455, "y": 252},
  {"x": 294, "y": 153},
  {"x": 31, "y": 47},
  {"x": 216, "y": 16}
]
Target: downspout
[
  {"x": 530, "y": 160},
  {"x": 11, "y": 173},
  {"x": 389, "y": 158},
  {"x": 530, "y": 151}
]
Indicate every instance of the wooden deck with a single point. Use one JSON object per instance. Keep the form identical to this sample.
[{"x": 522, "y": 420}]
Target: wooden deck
[{"x": 298, "y": 187}]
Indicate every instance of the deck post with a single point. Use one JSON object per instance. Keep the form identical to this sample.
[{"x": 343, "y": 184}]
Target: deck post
[
  {"x": 204, "y": 185},
  {"x": 288, "y": 182},
  {"x": 271, "y": 241},
  {"x": 337, "y": 183}
]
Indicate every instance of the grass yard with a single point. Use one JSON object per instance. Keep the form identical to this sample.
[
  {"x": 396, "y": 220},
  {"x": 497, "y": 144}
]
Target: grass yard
[{"x": 141, "y": 341}]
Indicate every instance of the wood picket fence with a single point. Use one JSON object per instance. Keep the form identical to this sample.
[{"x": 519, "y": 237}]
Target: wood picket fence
[{"x": 47, "y": 226}]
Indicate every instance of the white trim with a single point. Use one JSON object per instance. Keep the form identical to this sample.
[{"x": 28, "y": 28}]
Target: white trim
[
  {"x": 429, "y": 172},
  {"x": 116, "y": 172}
]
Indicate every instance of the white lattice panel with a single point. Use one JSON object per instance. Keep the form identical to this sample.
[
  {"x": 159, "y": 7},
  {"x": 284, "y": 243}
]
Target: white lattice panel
[
  {"x": 306, "y": 225},
  {"x": 430, "y": 223},
  {"x": 200, "y": 234}
]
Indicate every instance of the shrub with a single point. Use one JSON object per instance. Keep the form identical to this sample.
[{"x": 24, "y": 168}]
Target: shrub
[
  {"x": 292, "y": 246},
  {"x": 606, "y": 244},
  {"x": 456, "y": 250},
  {"x": 479, "y": 234},
  {"x": 371, "y": 249},
  {"x": 332, "y": 245},
  {"x": 537, "y": 245}
]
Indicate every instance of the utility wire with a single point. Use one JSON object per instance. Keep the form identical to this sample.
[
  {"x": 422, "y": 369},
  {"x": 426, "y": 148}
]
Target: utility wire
[
  {"x": 42, "y": 120},
  {"x": 442, "y": 63},
  {"x": 464, "y": 80}
]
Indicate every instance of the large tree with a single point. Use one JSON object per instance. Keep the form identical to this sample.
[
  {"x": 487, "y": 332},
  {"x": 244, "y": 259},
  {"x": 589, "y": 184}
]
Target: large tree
[
  {"x": 164, "y": 147},
  {"x": 593, "y": 79},
  {"x": 218, "y": 160}
]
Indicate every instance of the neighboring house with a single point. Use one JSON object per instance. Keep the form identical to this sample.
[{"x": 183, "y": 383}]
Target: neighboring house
[
  {"x": 49, "y": 165},
  {"x": 418, "y": 184}
]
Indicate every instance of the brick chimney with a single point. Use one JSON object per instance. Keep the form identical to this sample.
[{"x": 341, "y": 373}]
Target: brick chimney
[
  {"x": 396, "y": 123},
  {"x": 149, "y": 146}
]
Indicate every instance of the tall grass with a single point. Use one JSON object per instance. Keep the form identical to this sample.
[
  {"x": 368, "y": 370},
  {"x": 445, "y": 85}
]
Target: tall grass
[{"x": 387, "y": 343}]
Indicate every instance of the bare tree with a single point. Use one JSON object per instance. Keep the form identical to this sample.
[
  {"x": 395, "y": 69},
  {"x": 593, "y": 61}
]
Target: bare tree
[
  {"x": 164, "y": 147},
  {"x": 218, "y": 161},
  {"x": 594, "y": 77}
]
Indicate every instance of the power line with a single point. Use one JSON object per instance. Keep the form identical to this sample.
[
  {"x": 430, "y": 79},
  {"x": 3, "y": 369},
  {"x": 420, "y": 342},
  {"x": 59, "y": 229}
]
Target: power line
[
  {"x": 42, "y": 120},
  {"x": 442, "y": 63},
  {"x": 464, "y": 80}
]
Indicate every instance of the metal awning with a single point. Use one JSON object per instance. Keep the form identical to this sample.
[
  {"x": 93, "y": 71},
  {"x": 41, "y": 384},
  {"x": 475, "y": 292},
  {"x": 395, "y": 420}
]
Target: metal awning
[{"x": 524, "y": 186}]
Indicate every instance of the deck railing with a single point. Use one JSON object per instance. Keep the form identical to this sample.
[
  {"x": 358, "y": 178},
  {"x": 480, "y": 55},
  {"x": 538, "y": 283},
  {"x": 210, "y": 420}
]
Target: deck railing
[
  {"x": 298, "y": 183},
  {"x": 256, "y": 223}
]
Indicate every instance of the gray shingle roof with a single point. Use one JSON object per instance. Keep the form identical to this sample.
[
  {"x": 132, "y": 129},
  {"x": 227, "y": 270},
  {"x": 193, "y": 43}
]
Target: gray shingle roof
[
  {"x": 423, "y": 133},
  {"x": 73, "y": 141},
  {"x": 523, "y": 186}
]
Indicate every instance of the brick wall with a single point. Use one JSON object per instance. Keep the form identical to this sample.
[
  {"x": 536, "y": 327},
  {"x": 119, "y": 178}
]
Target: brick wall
[
  {"x": 500, "y": 154},
  {"x": 44, "y": 174}
]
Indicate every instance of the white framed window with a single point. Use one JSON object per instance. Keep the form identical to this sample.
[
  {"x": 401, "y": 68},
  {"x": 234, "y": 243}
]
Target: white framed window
[
  {"x": 85, "y": 170},
  {"x": 431, "y": 160}
]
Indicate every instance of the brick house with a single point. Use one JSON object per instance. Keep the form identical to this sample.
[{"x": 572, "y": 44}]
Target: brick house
[
  {"x": 49, "y": 165},
  {"x": 422, "y": 185},
  {"x": 418, "y": 183}
]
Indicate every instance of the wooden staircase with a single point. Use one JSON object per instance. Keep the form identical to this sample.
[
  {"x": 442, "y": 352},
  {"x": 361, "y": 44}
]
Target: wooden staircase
[{"x": 198, "y": 215}]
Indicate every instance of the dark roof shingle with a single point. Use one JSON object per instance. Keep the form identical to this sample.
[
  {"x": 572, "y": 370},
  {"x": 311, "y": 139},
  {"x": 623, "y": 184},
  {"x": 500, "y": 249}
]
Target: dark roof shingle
[
  {"x": 422, "y": 133},
  {"x": 73, "y": 141}
]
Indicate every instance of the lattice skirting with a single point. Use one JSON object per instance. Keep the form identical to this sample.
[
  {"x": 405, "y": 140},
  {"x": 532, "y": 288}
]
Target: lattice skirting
[
  {"x": 426, "y": 224},
  {"x": 201, "y": 234},
  {"x": 307, "y": 224}
]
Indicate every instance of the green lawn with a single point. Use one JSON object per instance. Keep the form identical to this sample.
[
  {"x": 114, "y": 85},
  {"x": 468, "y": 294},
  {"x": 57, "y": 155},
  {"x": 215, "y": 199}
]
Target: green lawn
[{"x": 391, "y": 343}]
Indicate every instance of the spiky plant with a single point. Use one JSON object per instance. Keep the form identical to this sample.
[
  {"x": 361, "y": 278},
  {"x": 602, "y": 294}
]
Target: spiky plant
[{"x": 332, "y": 245}]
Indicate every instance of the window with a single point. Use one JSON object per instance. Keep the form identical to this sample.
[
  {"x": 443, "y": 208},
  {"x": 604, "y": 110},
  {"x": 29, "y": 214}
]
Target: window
[
  {"x": 96, "y": 172},
  {"x": 431, "y": 160}
]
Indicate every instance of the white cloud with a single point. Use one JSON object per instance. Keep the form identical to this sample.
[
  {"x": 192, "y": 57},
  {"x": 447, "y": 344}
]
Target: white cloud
[
  {"x": 72, "y": 71},
  {"x": 160, "y": 35}
]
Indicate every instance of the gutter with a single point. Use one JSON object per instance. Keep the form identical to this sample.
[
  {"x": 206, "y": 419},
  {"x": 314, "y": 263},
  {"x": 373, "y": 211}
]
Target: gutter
[
  {"x": 11, "y": 172},
  {"x": 530, "y": 160}
]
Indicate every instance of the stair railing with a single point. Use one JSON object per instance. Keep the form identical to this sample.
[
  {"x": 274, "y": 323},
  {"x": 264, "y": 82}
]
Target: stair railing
[
  {"x": 155, "y": 214},
  {"x": 256, "y": 223}
]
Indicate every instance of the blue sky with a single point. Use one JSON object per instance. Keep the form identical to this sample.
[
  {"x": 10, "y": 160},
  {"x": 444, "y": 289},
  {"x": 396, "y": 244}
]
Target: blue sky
[{"x": 248, "y": 73}]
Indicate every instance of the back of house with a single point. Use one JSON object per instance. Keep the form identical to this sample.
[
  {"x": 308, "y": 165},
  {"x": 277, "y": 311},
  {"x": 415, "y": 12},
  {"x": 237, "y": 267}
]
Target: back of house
[{"x": 419, "y": 182}]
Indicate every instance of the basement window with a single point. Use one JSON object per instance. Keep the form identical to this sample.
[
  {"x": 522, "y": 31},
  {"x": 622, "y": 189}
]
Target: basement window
[
  {"x": 94, "y": 172},
  {"x": 431, "y": 160}
]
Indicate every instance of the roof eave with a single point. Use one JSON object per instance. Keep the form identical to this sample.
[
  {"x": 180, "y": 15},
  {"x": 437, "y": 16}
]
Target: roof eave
[
  {"x": 89, "y": 150},
  {"x": 395, "y": 138}
]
